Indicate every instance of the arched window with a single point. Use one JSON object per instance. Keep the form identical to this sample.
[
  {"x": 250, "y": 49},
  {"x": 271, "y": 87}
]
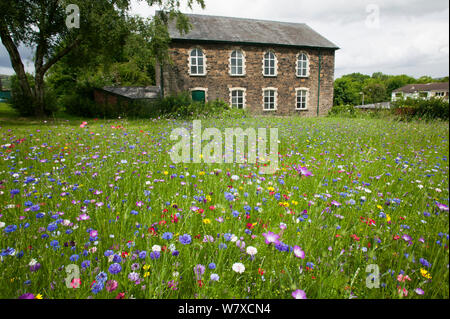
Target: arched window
[
  {"x": 302, "y": 65},
  {"x": 270, "y": 64},
  {"x": 197, "y": 62},
  {"x": 237, "y": 63}
]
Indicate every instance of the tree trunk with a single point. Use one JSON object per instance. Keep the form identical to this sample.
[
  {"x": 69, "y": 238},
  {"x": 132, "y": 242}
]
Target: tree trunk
[
  {"x": 16, "y": 61},
  {"x": 39, "y": 92}
]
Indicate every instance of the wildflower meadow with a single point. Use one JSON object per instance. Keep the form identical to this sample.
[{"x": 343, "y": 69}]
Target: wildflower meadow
[{"x": 358, "y": 208}]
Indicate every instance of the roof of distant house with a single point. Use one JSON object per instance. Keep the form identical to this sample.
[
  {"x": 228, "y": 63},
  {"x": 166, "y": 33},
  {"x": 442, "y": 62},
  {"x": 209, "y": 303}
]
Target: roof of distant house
[
  {"x": 207, "y": 28},
  {"x": 134, "y": 92},
  {"x": 411, "y": 88}
]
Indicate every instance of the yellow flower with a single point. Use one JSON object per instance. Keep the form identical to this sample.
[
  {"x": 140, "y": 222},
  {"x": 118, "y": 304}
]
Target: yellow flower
[
  {"x": 425, "y": 273},
  {"x": 207, "y": 221},
  {"x": 166, "y": 172},
  {"x": 38, "y": 296},
  {"x": 146, "y": 274},
  {"x": 208, "y": 198},
  {"x": 379, "y": 207},
  {"x": 201, "y": 173},
  {"x": 270, "y": 189},
  {"x": 295, "y": 203},
  {"x": 146, "y": 267},
  {"x": 388, "y": 218}
]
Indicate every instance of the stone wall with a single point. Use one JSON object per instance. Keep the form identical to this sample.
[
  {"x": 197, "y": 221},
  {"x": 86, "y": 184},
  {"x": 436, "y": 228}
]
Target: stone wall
[{"x": 218, "y": 80}]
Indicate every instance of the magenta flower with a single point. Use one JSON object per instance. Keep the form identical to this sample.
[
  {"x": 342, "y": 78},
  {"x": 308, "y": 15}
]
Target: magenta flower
[
  {"x": 442, "y": 206},
  {"x": 299, "y": 294},
  {"x": 304, "y": 171},
  {"x": 271, "y": 238},
  {"x": 335, "y": 203},
  {"x": 83, "y": 217},
  {"x": 298, "y": 252},
  {"x": 111, "y": 285}
]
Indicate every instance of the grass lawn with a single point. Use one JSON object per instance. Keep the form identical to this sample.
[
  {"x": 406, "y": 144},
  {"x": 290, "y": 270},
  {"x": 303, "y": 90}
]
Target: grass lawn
[{"x": 108, "y": 199}]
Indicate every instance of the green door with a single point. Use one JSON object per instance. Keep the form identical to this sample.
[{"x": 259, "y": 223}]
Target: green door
[{"x": 199, "y": 96}]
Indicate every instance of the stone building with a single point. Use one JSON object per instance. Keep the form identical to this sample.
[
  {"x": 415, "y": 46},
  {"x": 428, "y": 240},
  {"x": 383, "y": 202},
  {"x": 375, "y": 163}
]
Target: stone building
[{"x": 263, "y": 66}]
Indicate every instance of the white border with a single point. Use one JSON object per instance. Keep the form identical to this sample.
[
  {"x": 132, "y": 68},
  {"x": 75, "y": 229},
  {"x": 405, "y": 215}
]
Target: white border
[
  {"x": 276, "y": 98},
  {"x": 244, "y": 96},
  {"x": 204, "y": 61},
  {"x": 200, "y": 89},
  {"x": 263, "y": 64},
  {"x": 244, "y": 69},
  {"x": 307, "y": 98},
  {"x": 307, "y": 65}
]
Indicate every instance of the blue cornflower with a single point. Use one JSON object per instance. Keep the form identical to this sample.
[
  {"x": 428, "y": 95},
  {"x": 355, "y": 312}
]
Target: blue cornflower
[
  {"x": 167, "y": 236},
  {"x": 212, "y": 266},
  {"x": 115, "y": 268},
  {"x": 10, "y": 228},
  {"x": 85, "y": 264},
  {"x": 108, "y": 253},
  {"x": 35, "y": 208},
  {"x": 229, "y": 196},
  {"x": 155, "y": 255},
  {"x": 74, "y": 257},
  {"x": 143, "y": 254},
  {"x": 186, "y": 239}
]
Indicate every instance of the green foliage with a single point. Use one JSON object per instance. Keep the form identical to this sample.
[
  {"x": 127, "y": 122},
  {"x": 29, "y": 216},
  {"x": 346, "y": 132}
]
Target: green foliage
[
  {"x": 376, "y": 88},
  {"x": 434, "y": 108},
  {"x": 26, "y": 106},
  {"x": 343, "y": 110}
]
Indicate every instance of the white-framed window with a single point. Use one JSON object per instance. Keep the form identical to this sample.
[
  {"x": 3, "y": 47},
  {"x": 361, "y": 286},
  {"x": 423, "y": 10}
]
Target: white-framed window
[
  {"x": 302, "y": 65},
  {"x": 440, "y": 94},
  {"x": 270, "y": 64},
  {"x": 237, "y": 63},
  {"x": 237, "y": 98},
  {"x": 301, "y": 96},
  {"x": 270, "y": 97},
  {"x": 197, "y": 62}
]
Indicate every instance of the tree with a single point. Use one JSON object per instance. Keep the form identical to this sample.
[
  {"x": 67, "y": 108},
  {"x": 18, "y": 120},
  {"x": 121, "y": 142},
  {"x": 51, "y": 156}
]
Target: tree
[{"x": 103, "y": 26}]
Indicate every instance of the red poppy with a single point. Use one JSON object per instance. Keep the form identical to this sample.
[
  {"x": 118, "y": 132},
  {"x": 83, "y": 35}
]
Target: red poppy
[
  {"x": 124, "y": 254},
  {"x": 261, "y": 271},
  {"x": 250, "y": 226}
]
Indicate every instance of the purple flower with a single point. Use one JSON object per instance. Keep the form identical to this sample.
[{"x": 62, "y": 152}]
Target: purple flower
[
  {"x": 419, "y": 291},
  {"x": 304, "y": 171},
  {"x": 406, "y": 237},
  {"x": 186, "y": 239},
  {"x": 133, "y": 276},
  {"x": 155, "y": 255},
  {"x": 299, "y": 294},
  {"x": 214, "y": 277},
  {"x": 199, "y": 270},
  {"x": 271, "y": 238},
  {"x": 35, "y": 267},
  {"x": 27, "y": 296},
  {"x": 298, "y": 252},
  {"x": 115, "y": 268},
  {"x": 442, "y": 206}
]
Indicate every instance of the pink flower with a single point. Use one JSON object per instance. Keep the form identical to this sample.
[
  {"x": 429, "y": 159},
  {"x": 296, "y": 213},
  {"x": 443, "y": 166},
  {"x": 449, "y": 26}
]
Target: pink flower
[
  {"x": 76, "y": 283},
  {"x": 271, "y": 238},
  {"x": 83, "y": 125},
  {"x": 402, "y": 292},
  {"x": 299, "y": 294},
  {"x": 298, "y": 252},
  {"x": 111, "y": 285}
]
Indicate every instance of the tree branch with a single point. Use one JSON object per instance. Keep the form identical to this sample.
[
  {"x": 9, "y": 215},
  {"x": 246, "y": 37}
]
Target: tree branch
[{"x": 60, "y": 55}]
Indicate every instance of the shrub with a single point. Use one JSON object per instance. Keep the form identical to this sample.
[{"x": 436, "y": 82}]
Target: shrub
[
  {"x": 26, "y": 106},
  {"x": 434, "y": 108},
  {"x": 343, "y": 110}
]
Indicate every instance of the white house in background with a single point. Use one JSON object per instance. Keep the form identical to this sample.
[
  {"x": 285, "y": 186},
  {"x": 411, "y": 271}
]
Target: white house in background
[{"x": 421, "y": 91}]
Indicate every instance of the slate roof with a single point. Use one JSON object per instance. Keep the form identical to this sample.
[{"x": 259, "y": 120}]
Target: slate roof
[
  {"x": 248, "y": 31},
  {"x": 411, "y": 88},
  {"x": 134, "y": 92}
]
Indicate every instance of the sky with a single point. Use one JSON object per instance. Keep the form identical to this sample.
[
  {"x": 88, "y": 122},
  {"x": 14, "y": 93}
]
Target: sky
[{"x": 390, "y": 36}]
